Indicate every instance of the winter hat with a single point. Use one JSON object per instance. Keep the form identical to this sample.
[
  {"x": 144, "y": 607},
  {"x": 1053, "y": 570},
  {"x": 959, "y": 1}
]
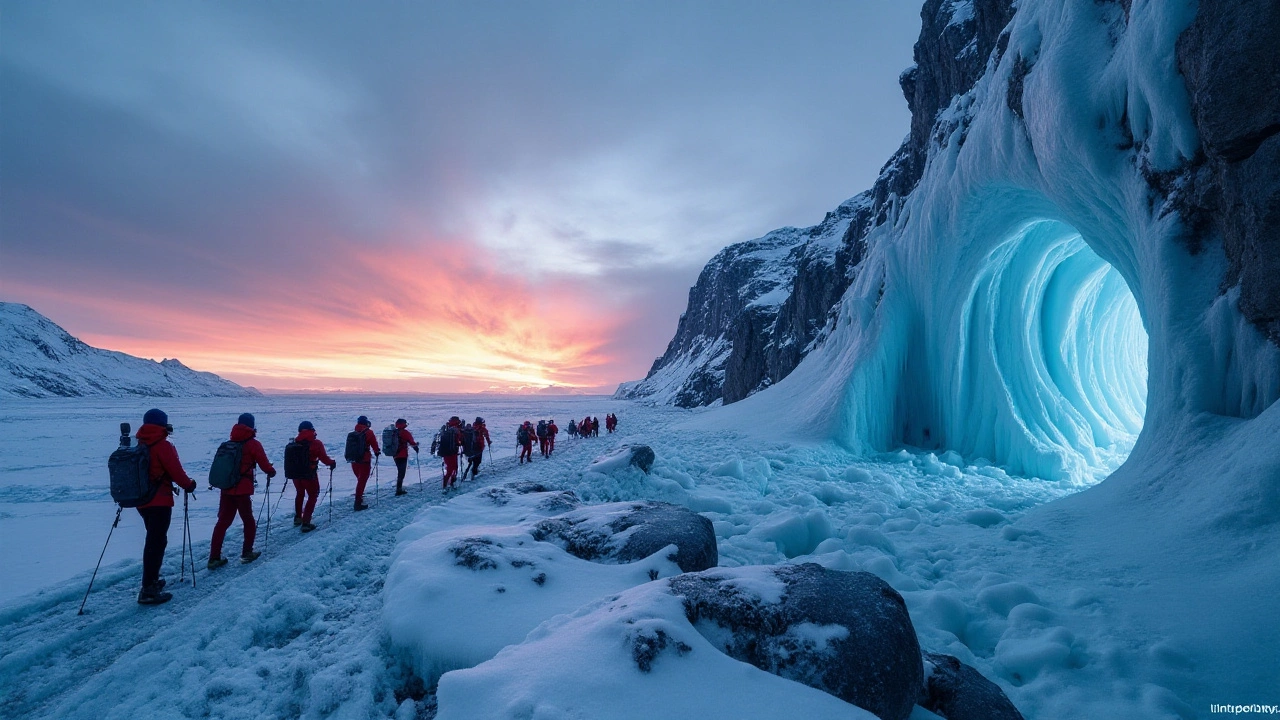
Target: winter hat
[
  {"x": 402, "y": 423},
  {"x": 479, "y": 421},
  {"x": 305, "y": 425},
  {"x": 246, "y": 419},
  {"x": 362, "y": 420},
  {"x": 155, "y": 416}
]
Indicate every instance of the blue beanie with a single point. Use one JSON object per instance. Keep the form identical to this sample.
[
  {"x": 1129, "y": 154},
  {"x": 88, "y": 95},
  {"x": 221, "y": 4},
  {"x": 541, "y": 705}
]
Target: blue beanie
[
  {"x": 246, "y": 419},
  {"x": 362, "y": 420},
  {"x": 305, "y": 425},
  {"x": 155, "y": 416}
]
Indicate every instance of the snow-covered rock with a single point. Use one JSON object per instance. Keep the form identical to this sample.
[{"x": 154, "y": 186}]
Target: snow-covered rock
[
  {"x": 956, "y": 691},
  {"x": 38, "y": 359},
  {"x": 846, "y": 633},
  {"x": 627, "y": 532},
  {"x": 513, "y": 553}
]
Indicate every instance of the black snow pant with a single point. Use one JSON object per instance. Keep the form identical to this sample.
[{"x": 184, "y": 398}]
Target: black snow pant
[
  {"x": 473, "y": 465},
  {"x": 156, "y": 520},
  {"x": 402, "y": 466}
]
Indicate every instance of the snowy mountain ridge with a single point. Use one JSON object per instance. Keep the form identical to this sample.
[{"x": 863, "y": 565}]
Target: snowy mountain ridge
[{"x": 38, "y": 359}]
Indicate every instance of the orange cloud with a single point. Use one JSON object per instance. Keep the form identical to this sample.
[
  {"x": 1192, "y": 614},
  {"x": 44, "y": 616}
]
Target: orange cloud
[{"x": 432, "y": 316}]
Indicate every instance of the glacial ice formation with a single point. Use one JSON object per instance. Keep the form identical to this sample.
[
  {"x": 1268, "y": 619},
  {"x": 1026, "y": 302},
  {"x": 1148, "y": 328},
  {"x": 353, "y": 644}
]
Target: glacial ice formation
[{"x": 1035, "y": 301}]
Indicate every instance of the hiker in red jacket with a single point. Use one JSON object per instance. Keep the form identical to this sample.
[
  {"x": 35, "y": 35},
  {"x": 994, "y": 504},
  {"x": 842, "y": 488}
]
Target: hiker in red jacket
[
  {"x": 165, "y": 470},
  {"x": 611, "y": 422},
  {"x": 402, "y": 454},
  {"x": 365, "y": 465},
  {"x": 239, "y": 499},
  {"x": 481, "y": 439},
  {"x": 448, "y": 445},
  {"x": 552, "y": 429},
  {"x": 524, "y": 438},
  {"x": 310, "y": 485},
  {"x": 584, "y": 427}
]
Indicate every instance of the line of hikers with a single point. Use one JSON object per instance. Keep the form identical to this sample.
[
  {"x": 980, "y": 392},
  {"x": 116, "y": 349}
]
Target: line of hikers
[{"x": 143, "y": 476}]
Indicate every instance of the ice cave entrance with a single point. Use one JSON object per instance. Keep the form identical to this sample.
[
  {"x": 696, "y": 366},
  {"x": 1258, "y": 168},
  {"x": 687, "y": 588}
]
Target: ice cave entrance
[{"x": 1064, "y": 336}]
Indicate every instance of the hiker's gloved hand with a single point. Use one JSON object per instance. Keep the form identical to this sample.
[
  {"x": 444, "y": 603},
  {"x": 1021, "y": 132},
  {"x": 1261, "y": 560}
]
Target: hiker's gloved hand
[
  {"x": 333, "y": 464},
  {"x": 271, "y": 474}
]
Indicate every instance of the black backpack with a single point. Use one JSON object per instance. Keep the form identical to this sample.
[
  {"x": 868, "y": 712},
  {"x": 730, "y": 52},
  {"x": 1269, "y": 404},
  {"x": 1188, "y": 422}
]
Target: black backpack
[
  {"x": 297, "y": 461},
  {"x": 469, "y": 440},
  {"x": 390, "y": 440},
  {"x": 542, "y": 428},
  {"x": 357, "y": 446},
  {"x": 224, "y": 473},
  {"x": 448, "y": 442},
  {"x": 130, "y": 469},
  {"x": 522, "y": 434}
]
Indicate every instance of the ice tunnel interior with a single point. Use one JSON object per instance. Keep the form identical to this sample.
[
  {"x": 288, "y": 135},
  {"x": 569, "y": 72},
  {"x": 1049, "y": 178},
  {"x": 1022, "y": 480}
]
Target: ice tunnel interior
[{"x": 1046, "y": 368}]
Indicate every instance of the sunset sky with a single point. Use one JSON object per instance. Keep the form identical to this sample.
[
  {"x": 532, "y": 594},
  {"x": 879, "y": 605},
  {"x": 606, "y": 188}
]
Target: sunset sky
[{"x": 421, "y": 196}]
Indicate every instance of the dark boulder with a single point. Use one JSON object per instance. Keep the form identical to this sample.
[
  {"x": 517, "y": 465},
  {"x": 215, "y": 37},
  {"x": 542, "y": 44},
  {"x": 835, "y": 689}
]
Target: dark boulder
[
  {"x": 627, "y": 532},
  {"x": 642, "y": 457},
  {"x": 846, "y": 633},
  {"x": 958, "y": 692}
]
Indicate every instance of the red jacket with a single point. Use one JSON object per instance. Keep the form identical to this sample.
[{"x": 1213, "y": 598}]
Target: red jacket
[
  {"x": 406, "y": 440},
  {"x": 252, "y": 454},
  {"x": 316, "y": 451},
  {"x": 370, "y": 439},
  {"x": 482, "y": 436},
  {"x": 166, "y": 469},
  {"x": 531, "y": 433},
  {"x": 552, "y": 430}
]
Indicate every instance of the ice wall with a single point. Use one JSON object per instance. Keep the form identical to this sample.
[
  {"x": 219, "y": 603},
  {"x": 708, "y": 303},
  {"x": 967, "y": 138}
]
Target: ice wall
[{"x": 1001, "y": 310}]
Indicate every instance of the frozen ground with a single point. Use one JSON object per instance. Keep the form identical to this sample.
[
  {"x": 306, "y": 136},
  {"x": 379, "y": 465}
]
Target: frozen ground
[{"x": 302, "y": 631}]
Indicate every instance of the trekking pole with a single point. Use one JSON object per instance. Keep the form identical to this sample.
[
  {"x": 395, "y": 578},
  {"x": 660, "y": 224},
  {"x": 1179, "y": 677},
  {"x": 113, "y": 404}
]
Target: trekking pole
[
  {"x": 186, "y": 529},
  {"x": 417, "y": 462},
  {"x": 376, "y": 495},
  {"x": 267, "y": 535},
  {"x": 119, "y": 510},
  {"x": 182, "y": 573},
  {"x": 330, "y": 495}
]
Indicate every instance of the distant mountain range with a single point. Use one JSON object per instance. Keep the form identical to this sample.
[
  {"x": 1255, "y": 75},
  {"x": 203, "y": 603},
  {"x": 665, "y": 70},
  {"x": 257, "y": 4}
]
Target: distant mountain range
[{"x": 38, "y": 359}]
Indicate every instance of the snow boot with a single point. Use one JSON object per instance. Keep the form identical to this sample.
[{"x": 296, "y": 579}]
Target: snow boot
[
  {"x": 401, "y": 492},
  {"x": 361, "y": 506},
  {"x": 308, "y": 527},
  {"x": 153, "y": 596},
  {"x": 250, "y": 557},
  {"x": 297, "y": 520},
  {"x": 215, "y": 563}
]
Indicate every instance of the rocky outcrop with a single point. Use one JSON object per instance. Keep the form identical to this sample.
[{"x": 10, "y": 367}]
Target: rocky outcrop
[
  {"x": 1230, "y": 60},
  {"x": 956, "y": 691},
  {"x": 760, "y": 306},
  {"x": 627, "y": 532},
  {"x": 38, "y": 359},
  {"x": 845, "y": 633}
]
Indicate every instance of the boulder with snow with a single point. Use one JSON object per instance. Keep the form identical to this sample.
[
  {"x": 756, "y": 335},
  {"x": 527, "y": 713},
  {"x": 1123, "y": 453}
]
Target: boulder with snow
[
  {"x": 846, "y": 633},
  {"x": 958, "y": 692},
  {"x": 627, "y": 532}
]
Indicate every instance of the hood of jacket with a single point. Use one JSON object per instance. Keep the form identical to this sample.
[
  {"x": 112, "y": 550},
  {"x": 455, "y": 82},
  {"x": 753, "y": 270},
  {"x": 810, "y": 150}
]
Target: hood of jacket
[
  {"x": 240, "y": 433},
  {"x": 150, "y": 434},
  {"x": 305, "y": 436}
]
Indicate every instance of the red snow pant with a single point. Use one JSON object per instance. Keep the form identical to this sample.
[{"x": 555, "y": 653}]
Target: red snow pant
[
  {"x": 362, "y": 478},
  {"x": 450, "y": 470},
  {"x": 311, "y": 488},
  {"x": 551, "y": 444},
  {"x": 526, "y": 451},
  {"x": 542, "y": 446},
  {"x": 228, "y": 506}
]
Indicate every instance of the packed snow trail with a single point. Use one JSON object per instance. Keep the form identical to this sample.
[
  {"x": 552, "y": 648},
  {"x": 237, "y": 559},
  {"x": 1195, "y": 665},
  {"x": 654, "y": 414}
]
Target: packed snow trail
[{"x": 296, "y": 633}]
